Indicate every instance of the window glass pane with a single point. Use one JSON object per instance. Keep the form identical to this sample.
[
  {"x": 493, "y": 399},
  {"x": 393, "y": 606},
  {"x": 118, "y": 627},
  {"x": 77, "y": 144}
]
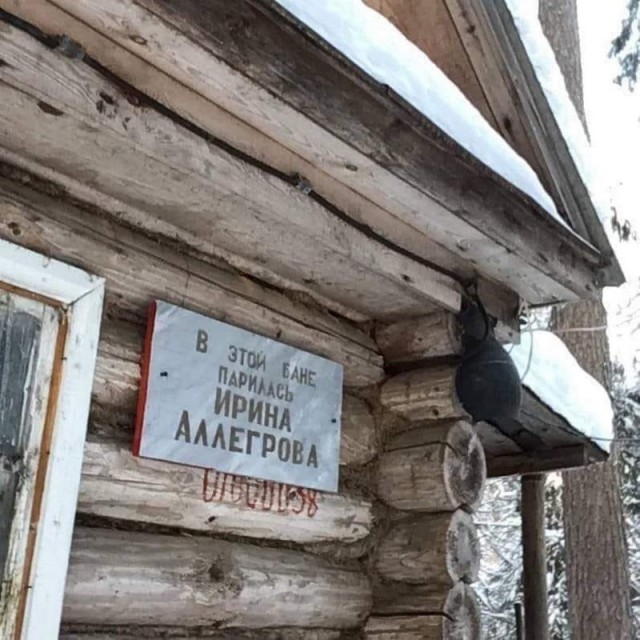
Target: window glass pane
[{"x": 19, "y": 343}]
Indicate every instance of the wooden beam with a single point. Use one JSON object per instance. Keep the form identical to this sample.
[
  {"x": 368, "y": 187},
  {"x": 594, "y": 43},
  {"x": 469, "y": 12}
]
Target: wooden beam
[
  {"x": 578, "y": 455},
  {"x": 501, "y": 60},
  {"x": 534, "y": 557},
  {"x": 418, "y": 189},
  {"x": 187, "y": 180},
  {"x": 146, "y": 579}
]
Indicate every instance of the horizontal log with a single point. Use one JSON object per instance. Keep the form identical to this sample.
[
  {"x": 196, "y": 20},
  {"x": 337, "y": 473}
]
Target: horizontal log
[
  {"x": 137, "y": 270},
  {"x": 423, "y": 394},
  {"x": 432, "y": 336},
  {"x": 187, "y": 180},
  {"x": 117, "y": 485},
  {"x": 400, "y": 598},
  {"x": 142, "y": 579},
  {"x": 434, "y": 467},
  {"x": 439, "y": 549},
  {"x": 466, "y": 626},
  {"x": 207, "y": 633},
  {"x": 117, "y": 380},
  {"x": 397, "y": 598}
]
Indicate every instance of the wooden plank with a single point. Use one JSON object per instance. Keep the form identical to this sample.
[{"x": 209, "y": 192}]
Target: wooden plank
[
  {"x": 180, "y": 175},
  {"x": 570, "y": 457},
  {"x": 143, "y": 579},
  {"x": 430, "y": 27},
  {"x": 117, "y": 485},
  {"x": 138, "y": 270},
  {"x": 194, "y": 66},
  {"x": 499, "y": 57}
]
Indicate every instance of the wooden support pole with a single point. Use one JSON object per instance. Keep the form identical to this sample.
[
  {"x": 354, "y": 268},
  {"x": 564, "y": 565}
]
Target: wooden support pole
[
  {"x": 434, "y": 467},
  {"x": 437, "y": 549},
  {"x": 155, "y": 580},
  {"x": 536, "y": 616}
]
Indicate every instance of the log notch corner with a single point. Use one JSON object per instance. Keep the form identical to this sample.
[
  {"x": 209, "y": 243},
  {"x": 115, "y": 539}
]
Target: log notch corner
[{"x": 430, "y": 476}]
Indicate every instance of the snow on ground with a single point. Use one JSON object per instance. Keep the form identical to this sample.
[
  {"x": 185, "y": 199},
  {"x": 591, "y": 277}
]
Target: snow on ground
[
  {"x": 371, "y": 42},
  {"x": 549, "y": 370}
]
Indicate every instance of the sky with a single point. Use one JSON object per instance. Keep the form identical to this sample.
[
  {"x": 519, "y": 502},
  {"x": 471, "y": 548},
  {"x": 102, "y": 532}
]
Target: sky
[{"x": 613, "y": 115}]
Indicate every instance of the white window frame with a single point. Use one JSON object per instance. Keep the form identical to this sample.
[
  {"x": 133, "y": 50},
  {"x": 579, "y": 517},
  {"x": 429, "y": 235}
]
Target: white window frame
[{"x": 81, "y": 295}]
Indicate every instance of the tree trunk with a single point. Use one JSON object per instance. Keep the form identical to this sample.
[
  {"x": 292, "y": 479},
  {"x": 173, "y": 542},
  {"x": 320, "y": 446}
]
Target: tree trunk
[{"x": 597, "y": 569}]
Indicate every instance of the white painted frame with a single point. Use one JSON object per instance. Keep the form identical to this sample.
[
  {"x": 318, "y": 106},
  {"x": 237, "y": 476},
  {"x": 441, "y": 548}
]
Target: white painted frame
[{"x": 82, "y": 295}]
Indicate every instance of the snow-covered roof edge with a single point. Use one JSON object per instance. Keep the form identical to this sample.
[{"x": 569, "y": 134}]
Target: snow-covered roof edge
[
  {"x": 375, "y": 45},
  {"x": 552, "y": 82},
  {"x": 548, "y": 369}
]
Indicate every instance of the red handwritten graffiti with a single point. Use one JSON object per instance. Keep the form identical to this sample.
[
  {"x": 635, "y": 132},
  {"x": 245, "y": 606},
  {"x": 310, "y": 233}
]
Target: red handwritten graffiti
[{"x": 261, "y": 495}]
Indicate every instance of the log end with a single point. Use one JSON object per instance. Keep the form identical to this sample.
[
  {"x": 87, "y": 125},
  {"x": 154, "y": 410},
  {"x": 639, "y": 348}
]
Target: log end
[
  {"x": 465, "y": 466},
  {"x": 463, "y": 620},
  {"x": 463, "y": 548}
]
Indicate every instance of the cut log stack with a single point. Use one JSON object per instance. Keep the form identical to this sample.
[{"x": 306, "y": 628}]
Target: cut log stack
[{"x": 432, "y": 474}]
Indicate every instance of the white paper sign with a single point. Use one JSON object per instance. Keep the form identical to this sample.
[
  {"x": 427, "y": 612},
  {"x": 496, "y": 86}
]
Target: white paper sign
[{"x": 216, "y": 396}]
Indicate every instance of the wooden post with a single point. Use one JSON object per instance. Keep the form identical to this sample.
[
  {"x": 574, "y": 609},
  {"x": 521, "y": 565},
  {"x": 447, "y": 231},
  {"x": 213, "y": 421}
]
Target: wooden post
[{"x": 536, "y": 618}]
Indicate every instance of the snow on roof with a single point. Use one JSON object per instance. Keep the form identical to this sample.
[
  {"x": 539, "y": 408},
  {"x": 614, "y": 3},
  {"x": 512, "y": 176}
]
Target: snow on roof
[
  {"x": 371, "y": 42},
  {"x": 549, "y": 370},
  {"x": 551, "y": 79}
]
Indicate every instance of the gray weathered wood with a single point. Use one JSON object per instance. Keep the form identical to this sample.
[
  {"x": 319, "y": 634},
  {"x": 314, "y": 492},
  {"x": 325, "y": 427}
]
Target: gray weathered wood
[
  {"x": 438, "y": 549},
  {"x": 423, "y": 394},
  {"x": 534, "y": 558},
  {"x": 137, "y": 633},
  {"x": 466, "y": 625},
  {"x": 143, "y": 579},
  {"x": 435, "y": 467},
  {"x": 117, "y": 485},
  {"x": 432, "y": 336},
  {"x": 138, "y": 270},
  {"x": 285, "y": 74},
  {"x": 179, "y": 175},
  {"x": 400, "y": 598}
]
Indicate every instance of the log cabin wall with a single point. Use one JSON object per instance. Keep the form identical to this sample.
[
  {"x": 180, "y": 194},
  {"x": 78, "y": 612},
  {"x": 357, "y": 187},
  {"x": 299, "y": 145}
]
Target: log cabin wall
[{"x": 165, "y": 550}]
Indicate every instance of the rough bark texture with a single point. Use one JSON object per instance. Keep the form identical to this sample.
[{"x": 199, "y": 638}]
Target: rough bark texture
[
  {"x": 597, "y": 574},
  {"x": 559, "y": 19}
]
